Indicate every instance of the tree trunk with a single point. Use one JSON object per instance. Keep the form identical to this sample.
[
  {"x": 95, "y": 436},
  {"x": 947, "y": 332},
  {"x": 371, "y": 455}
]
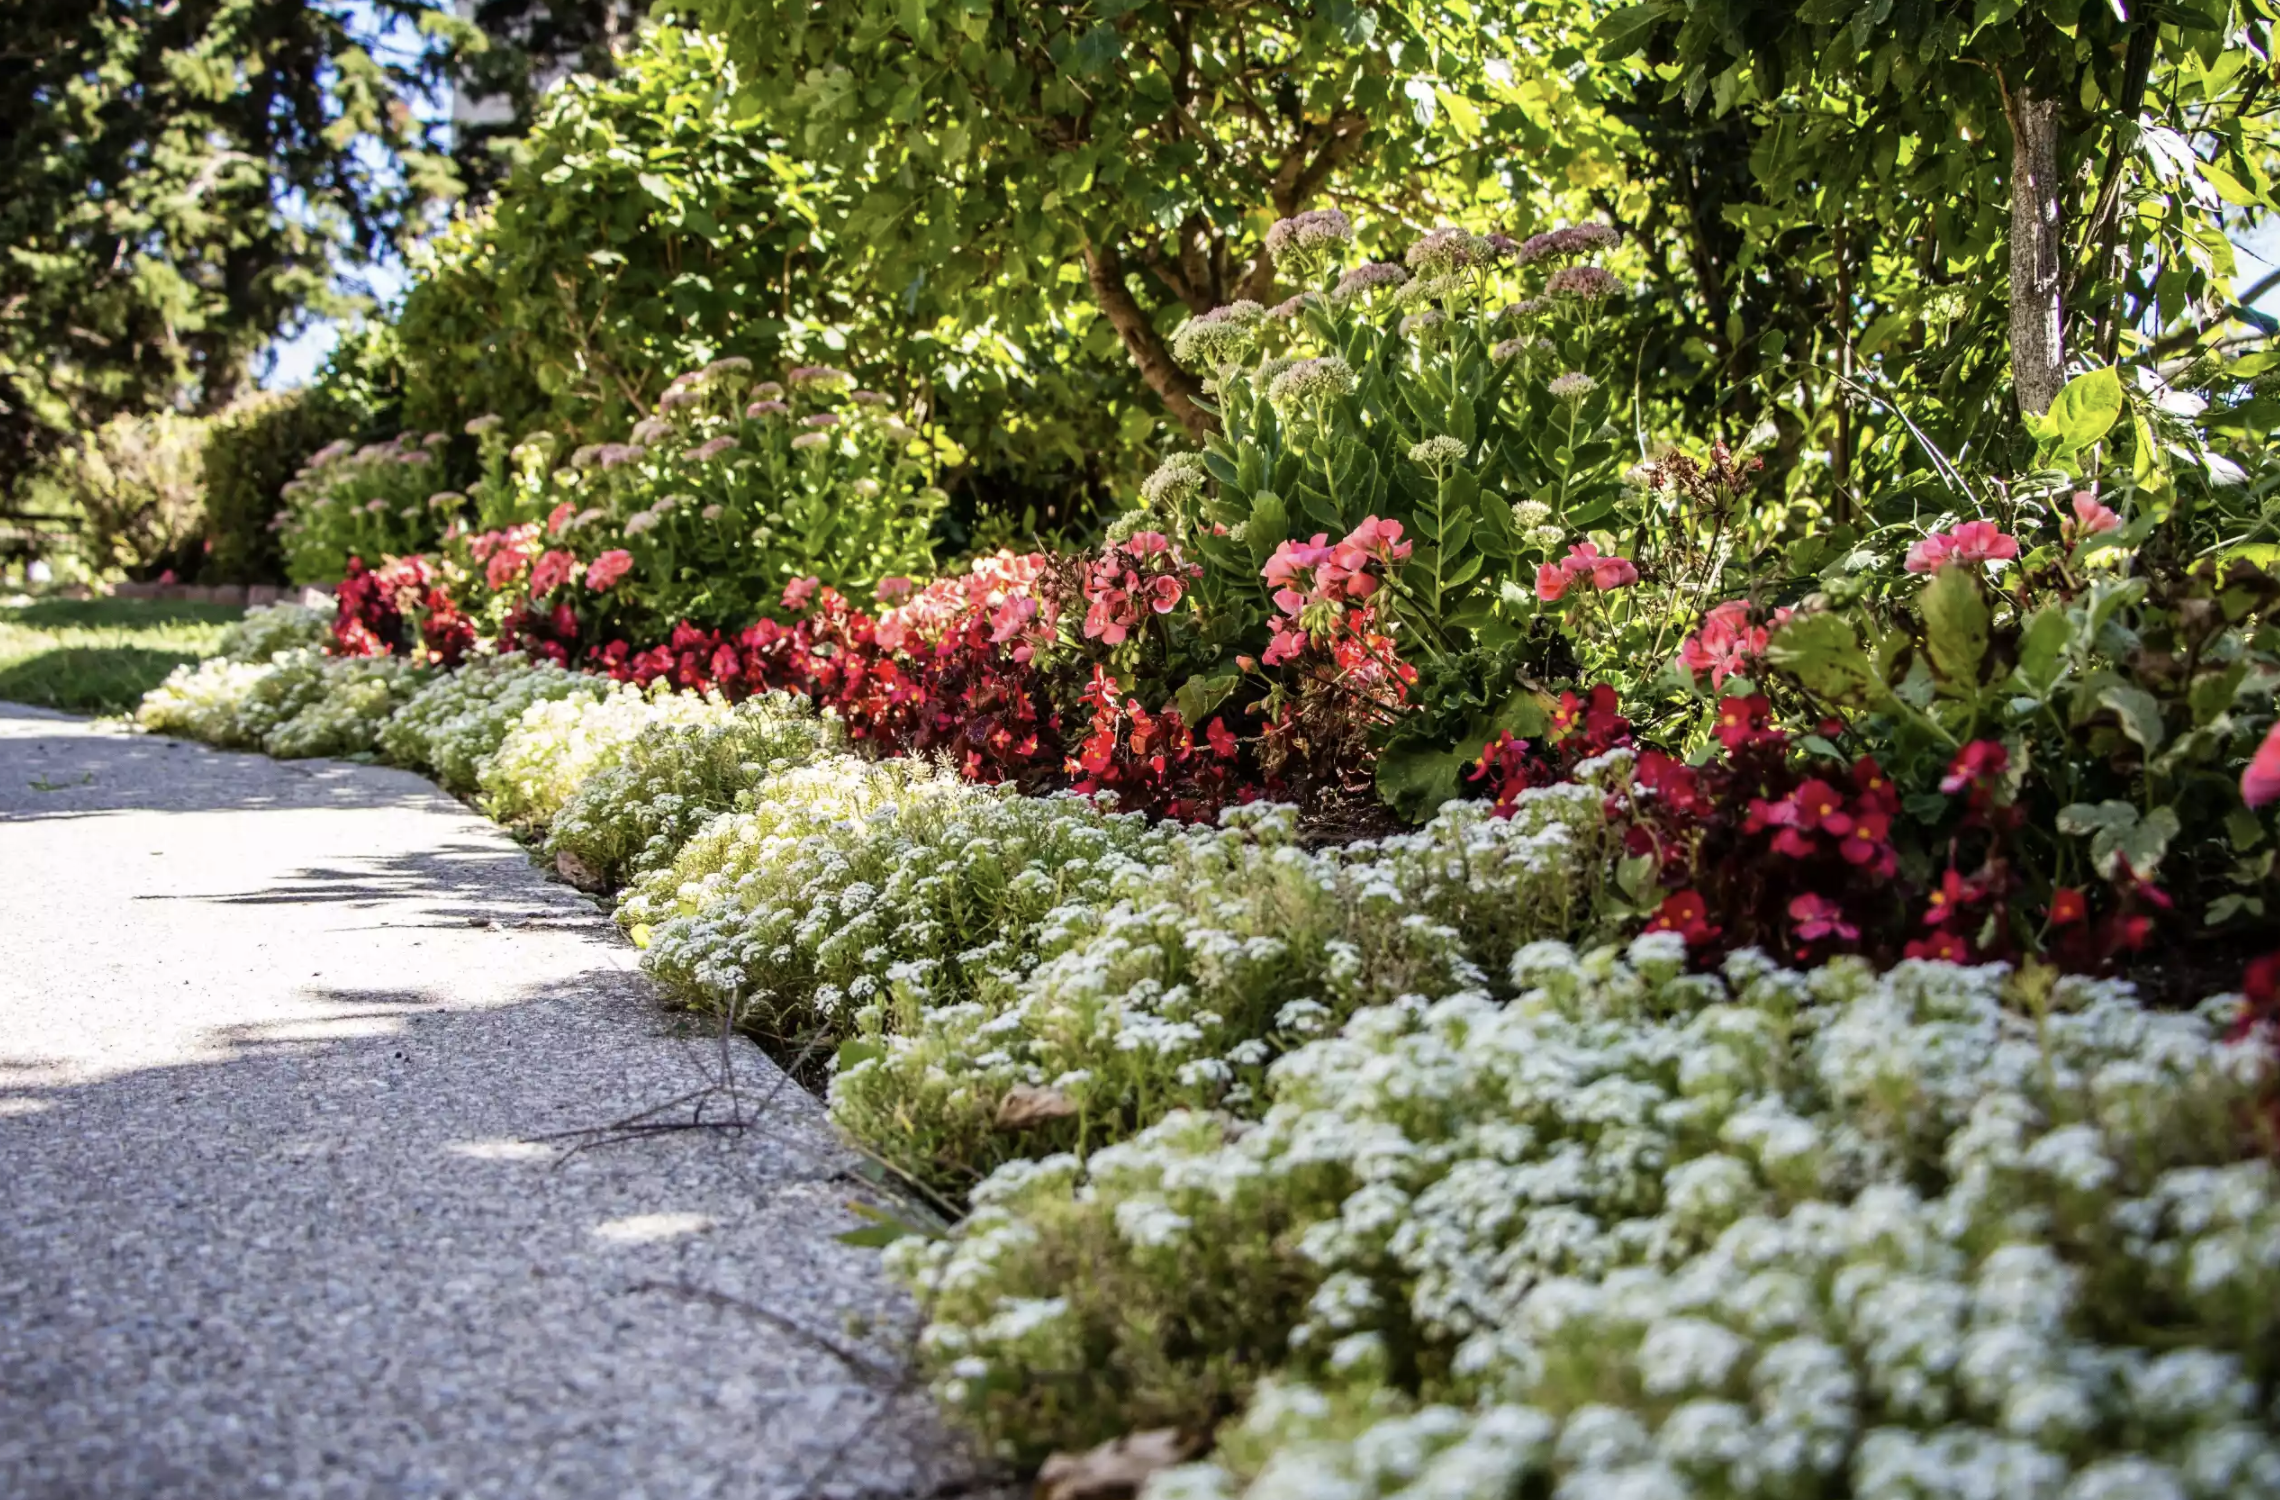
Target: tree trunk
[
  {"x": 2038, "y": 317},
  {"x": 1105, "y": 269}
]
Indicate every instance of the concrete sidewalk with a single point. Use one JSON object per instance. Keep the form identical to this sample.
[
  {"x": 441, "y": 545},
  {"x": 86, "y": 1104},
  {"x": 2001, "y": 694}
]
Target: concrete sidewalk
[{"x": 275, "y": 1041}]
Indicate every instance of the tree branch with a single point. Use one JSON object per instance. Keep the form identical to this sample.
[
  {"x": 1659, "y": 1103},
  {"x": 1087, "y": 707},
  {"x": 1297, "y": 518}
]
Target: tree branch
[{"x": 1177, "y": 388}]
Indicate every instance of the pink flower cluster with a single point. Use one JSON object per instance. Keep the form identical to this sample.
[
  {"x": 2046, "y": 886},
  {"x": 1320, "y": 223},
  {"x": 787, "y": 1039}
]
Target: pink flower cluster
[
  {"x": 1142, "y": 572},
  {"x": 1002, "y": 588},
  {"x": 1968, "y": 545},
  {"x": 608, "y": 568},
  {"x": 2090, "y": 518},
  {"x": 1327, "y": 577},
  {"x": 1583, "y": 563},
  {"x": 504, "y": 553},
  {"x": 1728, "y": 643}
]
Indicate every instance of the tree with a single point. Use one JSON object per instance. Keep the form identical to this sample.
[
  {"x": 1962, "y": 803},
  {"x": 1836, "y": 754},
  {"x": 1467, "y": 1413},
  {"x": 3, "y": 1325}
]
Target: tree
[
  {"x": 1004, "y": 161},
  {"x": 2088, "y": 154},
  {"x": 179, "y": 183}
]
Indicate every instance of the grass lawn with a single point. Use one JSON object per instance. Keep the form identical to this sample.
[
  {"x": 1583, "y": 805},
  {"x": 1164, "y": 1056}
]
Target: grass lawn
[{"x": 99, "y": 656}]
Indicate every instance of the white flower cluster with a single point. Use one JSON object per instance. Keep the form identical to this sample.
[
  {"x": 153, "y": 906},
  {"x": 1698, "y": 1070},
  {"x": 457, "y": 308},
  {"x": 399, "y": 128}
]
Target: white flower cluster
[
  {"x": 1203, "y": 963},
  {"x": 676, "y": 776},
  {"x": 202, "y": 701},
  {"x": 453, "y": 726},
  {"x": 558, "y": 743},
  {"x": 295, "y": 704},
  {"x": 1940, "y": 1232},
  {"x": 853, "y": 893},
  {"x": 264, "y": 631}
]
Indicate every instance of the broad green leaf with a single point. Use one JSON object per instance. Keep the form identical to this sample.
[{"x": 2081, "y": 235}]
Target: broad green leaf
[
  {"x": 2042, "y": 647},
  {"x": 1822, "y": 652},
  {"x": 1955, "y": 626},
  {"x": 1267, "y": 528},
  {"x": 2117, "y": 832},
  {"x": 2139, "y": 713},
  {"x": 2083, "y": 413}
]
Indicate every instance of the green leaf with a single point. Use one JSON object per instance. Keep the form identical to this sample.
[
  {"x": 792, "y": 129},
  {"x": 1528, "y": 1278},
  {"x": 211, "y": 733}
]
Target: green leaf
[
  {"x": 883, "y": 1229},
  {"x": 1416, "y": 779},
  {"x": 1626, "y": 30},
  {"x": 2082, "y": 415},
  {"x": 2139, "y": 713},
  {"x": 2117, "y": 833},
  {"x": 1955, "y": 626},
  {"x": 1822, "y": 653},
  {"x": 1199, "y": 695},
  {"x": 2042, "y": 645},
  {"x": 1267, "y": 528}
]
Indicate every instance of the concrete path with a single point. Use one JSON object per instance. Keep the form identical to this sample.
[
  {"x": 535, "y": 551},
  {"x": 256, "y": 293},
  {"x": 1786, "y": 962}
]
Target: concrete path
[{"x": 275, "y": 1041}]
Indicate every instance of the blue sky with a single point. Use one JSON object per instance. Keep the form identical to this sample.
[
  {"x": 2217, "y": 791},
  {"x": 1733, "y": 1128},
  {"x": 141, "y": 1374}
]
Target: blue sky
[{"x": 297, "y": 360}]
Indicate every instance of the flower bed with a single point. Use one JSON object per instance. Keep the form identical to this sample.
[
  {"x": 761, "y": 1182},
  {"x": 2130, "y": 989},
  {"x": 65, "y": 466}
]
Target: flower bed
[
  {"x": 1381, "y": 1155},
  {"x": 1566, "y": 1140}
]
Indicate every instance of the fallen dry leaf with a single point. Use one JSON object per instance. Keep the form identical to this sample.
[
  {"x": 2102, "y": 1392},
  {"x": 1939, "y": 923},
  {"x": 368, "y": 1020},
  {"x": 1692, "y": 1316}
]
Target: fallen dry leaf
[
  {"x": 575, "y": 870},
  {"x": 1117, "y": 1468},
  {"x": 1029, "y": 1106}
]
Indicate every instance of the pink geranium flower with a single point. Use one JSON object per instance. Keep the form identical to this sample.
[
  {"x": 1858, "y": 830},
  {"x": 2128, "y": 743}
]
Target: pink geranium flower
[
  {"x": 1551, "y": 582},
  {"x": 799, "y": 591},
  {"x": 608, "y": 569},
  {"x": 1605, "y": 572},
  {"x": 2092, "y": 518},
  {"x": 1968, "y": 545},
  {"x": 2260, "y": 783},
  {"x": 553, "y": 570},
  {"x": 1294, "y": 558},
  {"x": 1818, "y": 917}
]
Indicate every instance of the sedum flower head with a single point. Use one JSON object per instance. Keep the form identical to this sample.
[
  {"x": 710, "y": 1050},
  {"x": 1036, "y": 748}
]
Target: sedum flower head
[
  {"x": 1437, "y": 452},
  {"x": 1307, "y": 239},
  {"x": 1587, "y": 283},
  {"x": 1576, "y": 239},
  {"x": 1368, "y": 277},
  {"x": 1219, "y": 337},
  {"x": 1572, "y": 386},
  {"x": 1311, "y": 381},
  {"x": 1176, "y": 482},
  {"x": 1447, "y": 251}
]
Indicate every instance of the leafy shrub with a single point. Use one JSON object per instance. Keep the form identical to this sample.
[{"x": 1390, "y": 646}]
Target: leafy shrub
[
  {"x": 267, "y": 629},
  {"x": 1782, "y": 1234},
  {"x": 635, "y": 815},
  {"x": 2064, "y": 742},
  {"x": 311, "y": 705},
  {"x": 645, "y": 227},
  {"x": 376, "y": 501},
  {"x": 136, "y": 484},
  {"x": 453, "y": 726},
  {"x": 205, "y": 701},
  {"x": 296, "y": 703},
  {"x": 848, "y": 880},
  {"x": 1179, "y": 984},
  {"x": 733, "y": 491},
  {"x": 251, "y": 452},
  {"x": 558, "y": 743}
]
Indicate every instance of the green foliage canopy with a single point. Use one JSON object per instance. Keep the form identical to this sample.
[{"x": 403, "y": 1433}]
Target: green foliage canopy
[
  {"x": 1888, "y": 207},
  {"x": 1015, "y": 162},
  {"x": 179, "y": 183}
]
